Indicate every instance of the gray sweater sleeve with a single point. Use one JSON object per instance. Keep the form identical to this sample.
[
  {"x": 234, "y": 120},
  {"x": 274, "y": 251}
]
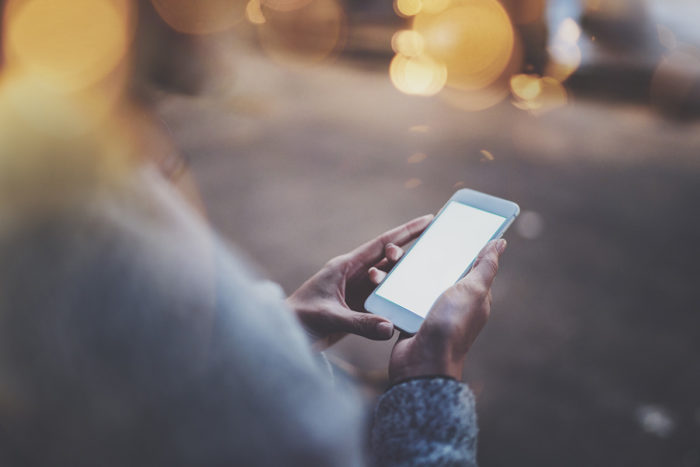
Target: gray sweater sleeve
[{"x": 430, "y": 421}]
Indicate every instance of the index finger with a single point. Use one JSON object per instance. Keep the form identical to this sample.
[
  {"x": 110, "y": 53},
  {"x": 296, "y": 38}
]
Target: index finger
[{"x": 371, "y": 252}]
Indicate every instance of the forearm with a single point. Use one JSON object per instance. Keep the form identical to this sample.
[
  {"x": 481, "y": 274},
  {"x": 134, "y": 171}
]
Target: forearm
[{"x": 430, "y": 421}]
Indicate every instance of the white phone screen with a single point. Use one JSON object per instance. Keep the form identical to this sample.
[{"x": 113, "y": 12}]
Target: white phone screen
[{"x": 440, "y": 257}]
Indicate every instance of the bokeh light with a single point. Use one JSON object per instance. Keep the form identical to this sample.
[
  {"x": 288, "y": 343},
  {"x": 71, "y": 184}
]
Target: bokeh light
[
  {"x": 526, "y": 87},
  {"x": 285, "y": 5},
  {"x": 420, "y": 75},
  {"x": 253, "y": 12},
  {"x": 486, "y": 155},
  {"x": 67, "y": 45},
  {"x": 529, "y": 225},
  {"x": 408, "y": 42},
  {"x": 462, "y": 50},
  {"x": 412, "y": 183},
  {"x": 416, "y": 158},
  {"x": 407, "y": 8},
  {"x": 474, "y": 39},
  {"x": 538, "y": 95},
  {"x": 489, "y": 96},
  {"x": 564, "y": 52},
  {"x": 419, "y": 129},
  {"x": 52, "y": 146},
  {"x": 310, "y": 33},
  {"x": 200, "y": 16}
]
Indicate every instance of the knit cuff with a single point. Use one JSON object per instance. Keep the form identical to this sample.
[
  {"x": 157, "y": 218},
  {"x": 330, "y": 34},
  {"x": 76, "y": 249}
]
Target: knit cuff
[{"x": 425, "y": 421}]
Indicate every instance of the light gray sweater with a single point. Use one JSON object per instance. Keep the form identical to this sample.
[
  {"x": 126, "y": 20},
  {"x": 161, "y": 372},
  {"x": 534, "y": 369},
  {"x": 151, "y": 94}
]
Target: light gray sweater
[{"x": 130, "y": 336}]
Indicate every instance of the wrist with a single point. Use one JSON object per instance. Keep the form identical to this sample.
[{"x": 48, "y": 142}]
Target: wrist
[{"x": 425, "y": 369}]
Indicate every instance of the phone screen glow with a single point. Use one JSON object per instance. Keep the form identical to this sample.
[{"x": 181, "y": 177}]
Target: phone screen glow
[{"x": 440, "y": 257}]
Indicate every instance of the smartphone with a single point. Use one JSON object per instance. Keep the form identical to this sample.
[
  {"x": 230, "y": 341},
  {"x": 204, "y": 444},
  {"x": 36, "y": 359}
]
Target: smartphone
[{"x": 442, "y": 255}]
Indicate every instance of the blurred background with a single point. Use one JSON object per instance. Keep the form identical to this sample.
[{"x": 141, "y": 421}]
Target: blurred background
[{"x": 305, "y": 127}]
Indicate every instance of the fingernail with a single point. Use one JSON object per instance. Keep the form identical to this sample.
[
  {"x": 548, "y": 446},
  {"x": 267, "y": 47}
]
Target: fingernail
[
  {"x": 385, "y": 329},
  {"x": 501, "y": 245}
]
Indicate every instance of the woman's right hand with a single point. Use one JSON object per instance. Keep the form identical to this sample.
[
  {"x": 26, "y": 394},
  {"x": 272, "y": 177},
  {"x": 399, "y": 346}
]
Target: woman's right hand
[{"x": 441, "y": 344}]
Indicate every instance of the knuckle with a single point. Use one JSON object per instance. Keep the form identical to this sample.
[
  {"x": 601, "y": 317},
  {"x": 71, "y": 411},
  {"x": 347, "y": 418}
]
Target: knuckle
[
  {"x": 385, "y": 239},
  {"x": 475, "y": 289},
  {"x": 491, "y": 264},
  {"x": 363, "y": 323},
  {"x": 337, "y": 262},
  {"x": 452, "y": 298}
]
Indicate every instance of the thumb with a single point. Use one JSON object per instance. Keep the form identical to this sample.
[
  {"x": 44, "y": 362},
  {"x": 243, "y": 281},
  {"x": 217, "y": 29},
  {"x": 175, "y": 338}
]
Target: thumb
[{"x": 366, "y": 325}]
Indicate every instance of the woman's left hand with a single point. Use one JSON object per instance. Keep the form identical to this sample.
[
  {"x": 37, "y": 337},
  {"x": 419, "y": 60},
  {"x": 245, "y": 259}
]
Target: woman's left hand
[{"x": 331, "y": 303}]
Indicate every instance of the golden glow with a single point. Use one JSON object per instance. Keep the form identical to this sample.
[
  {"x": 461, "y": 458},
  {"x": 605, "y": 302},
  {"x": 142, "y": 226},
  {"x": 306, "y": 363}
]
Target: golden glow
[
  {"x": 407, "y": 8},
  {"x": 67, "y": 45},
  {"x": 434, "y": 6},
  {"x": 284, "y": 5},
  {"x": 407, "y": 42},
  {"x": 474, "y": 101},
  {"x": 253, "y": 12},
  {"x": 487, "y": 156},
  {"x": 489, "y": 96},
  {"x": 200, "y": 16},
  {"x": 473, "y": 38},
  {"x": 565, "y": 59},
  {"x": 412, "y": 183},
  {"x": 526, "y": 87},
  {"x": 421, "y": 75},
  {"x": 419, "y": 129},
  {"x": 52, "y": 147},
  {"x": 416, "y": 158},
  {"x": 310, "y": 33},
  {"x": 551, "y": 95}
]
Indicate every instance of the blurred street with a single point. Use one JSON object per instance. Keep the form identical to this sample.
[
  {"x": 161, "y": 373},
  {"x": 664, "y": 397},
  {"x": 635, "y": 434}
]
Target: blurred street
[
  {"x": 591, "y": 353},
  {"x": 312, "y": 126}
]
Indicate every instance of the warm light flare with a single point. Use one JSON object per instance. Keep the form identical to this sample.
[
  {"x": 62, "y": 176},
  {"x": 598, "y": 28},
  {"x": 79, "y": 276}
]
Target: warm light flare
[
  {"x": 67, "y": 45},
  {"x": 310, "y": 33},
  {"x": 420, "y": 76},
  {"x": 526, "y": 87},
  {"x": 200, "y": 16},
  {"x": 434, "y": 6},
  {"x": 407, "y": 42},
  {"x": 253, "y": 12},
  {"x": 550, "y": 94},
  {"x": 407, "y": 8},
  {"x": 473, "y": 38}
]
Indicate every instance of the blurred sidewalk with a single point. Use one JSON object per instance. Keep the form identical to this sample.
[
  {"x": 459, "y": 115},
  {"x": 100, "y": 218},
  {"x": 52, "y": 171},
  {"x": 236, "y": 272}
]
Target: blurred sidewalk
[{"x": 595, "y": 322}]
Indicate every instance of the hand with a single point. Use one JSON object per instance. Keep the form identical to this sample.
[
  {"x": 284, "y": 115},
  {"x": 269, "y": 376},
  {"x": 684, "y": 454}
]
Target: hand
[
  {"x": 451, "y": 326},
  {"x": 331, "y": 303}
]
